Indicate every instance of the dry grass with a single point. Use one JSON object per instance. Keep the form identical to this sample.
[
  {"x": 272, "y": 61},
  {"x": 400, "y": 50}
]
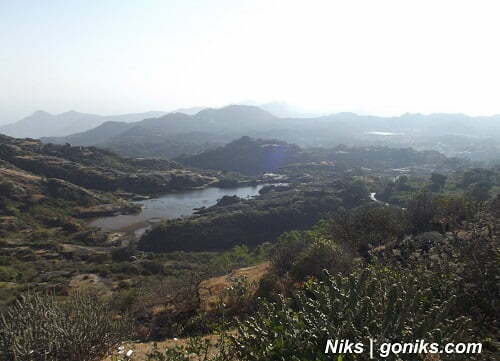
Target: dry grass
[
  {"x": 90, "y": 281},
  {"x": 19, "y": 174},
  {"x": 211, "y": 291},
  {"x": 141, "y": 349}
]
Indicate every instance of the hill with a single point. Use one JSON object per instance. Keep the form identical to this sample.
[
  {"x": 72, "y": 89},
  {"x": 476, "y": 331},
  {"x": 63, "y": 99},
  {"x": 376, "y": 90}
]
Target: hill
[
  {"x": 246, "y": 155},
  {"x": 175, "y": 134},
  {"x": 47, "y": 190},
  {"x": 96, "y": 169},
  {"x": 42, "y": 124}
]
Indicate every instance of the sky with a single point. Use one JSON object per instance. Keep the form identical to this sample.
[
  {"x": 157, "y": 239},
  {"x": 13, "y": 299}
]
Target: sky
[{"x": 384, "y": 57}]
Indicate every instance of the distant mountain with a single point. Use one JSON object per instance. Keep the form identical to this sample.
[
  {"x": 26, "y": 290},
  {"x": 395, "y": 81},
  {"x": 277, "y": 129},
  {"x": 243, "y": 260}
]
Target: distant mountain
[
  {"x": 97, "y": 135},
  {"x": 175, "y": 134},
  {"x": 246, "y": 155},
  {"x": 285, "y": 110},
  {"x": 42, "y": 124},
  {"x": 235, "y": 119},
  {"x": 189, "y": 111}
]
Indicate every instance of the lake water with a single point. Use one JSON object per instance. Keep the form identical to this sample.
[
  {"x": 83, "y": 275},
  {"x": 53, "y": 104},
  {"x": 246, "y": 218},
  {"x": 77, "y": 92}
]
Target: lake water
[
  {"x": 383, "y": 133},
  {"x": 173, "y": 206}
]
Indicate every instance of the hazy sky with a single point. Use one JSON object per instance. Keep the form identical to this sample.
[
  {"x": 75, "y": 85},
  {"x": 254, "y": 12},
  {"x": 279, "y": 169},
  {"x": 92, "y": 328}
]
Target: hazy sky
[{"x": 119, "y": 56}]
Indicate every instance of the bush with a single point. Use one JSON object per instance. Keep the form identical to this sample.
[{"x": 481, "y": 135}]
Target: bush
[
  {"x": 288, "y": 247},
  {"x": 38, "y": 327},
  {"x": 320, "y": 255},
  {"x": 7, "y": 187},
  {"x": 376, "y": 303},
  {"x": 122, "y": 254},
  {"x": 7, "y": 274}
]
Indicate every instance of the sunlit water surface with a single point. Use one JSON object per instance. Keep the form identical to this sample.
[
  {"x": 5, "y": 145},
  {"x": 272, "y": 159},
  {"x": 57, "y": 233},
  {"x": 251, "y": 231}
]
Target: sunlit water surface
[{"x": 173, "y": 206}]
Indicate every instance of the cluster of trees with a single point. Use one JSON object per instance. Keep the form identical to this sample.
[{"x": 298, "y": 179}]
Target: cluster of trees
[
  {"x": 378, "y": 157},
  {"x": 476, "y": 184},
  {"x": 247, "y": 155},
  {"x": 227, "y": 229},
  {"x": 425, "y": 268},
  {"x": 255, "y": 221},
  {"x": 254, "y": 156}
]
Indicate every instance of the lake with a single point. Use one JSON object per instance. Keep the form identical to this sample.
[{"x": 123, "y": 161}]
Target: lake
[{"x": 173, "y": 205}]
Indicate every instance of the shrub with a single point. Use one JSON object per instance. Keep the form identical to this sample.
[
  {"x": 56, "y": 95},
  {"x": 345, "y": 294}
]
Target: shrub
[
  {"x": 7, "y": 273},
  {"x": 421, "y": 211},
  {"x": 377, "y": 303},
  {"x": 7, "y": 187},
  {"x": 320, "y": 255},
  {"x": 122, "y": 254},
  {"x": 289, "y": 245},
  {"x": 38, "y": 327},
  {"x": 238, "y": 295}
]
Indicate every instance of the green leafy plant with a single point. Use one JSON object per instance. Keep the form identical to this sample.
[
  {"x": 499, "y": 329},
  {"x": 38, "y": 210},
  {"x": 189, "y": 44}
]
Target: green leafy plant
[{"x": 376, "y": 303}]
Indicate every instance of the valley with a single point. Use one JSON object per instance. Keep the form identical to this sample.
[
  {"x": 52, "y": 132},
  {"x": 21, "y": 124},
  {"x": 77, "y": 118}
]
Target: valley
[
  {"x": 249, "y": 180},
  {"x": 159, "y": 240}
]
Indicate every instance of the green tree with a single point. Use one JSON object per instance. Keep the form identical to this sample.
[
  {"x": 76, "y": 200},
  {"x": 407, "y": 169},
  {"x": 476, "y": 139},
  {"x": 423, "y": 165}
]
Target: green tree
[
  {"x": 438, "y": 182},
  {"x": 480, "y": 191},
  {"x": 320, "y": 255},
  {"x": 421, "y": 211}
]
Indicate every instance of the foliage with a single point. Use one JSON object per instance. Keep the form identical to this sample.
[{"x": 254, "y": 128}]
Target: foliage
[
  {"x": 238, "y": 295},
  {"x": 438, "y": 182},
  {"x": 320, "y": 255},
  {"x": 421, "y": 211},
  {"x": 288, "y": 246},
  {"x": 249, "y": 222},
  {"x": 237, "y": 257},
  {"x": 366, "y": 226},
  {"x": 374, "y": 303},
  {"x": 38, "y": 327},
  {"x": 246, "y": 155},
  {"x": 123, "y": 253}
]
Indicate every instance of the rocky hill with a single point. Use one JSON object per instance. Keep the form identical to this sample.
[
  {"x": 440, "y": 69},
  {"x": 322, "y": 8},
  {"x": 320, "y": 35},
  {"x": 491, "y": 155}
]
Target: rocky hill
[{"x": 98, "y": 169}]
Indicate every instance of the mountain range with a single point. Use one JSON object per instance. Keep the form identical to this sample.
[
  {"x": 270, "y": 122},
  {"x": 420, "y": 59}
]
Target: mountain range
[
  {"x": 175, "y": 134},
  {"x": 170, "y": 135},
  {"x": 44, "y": 124}
]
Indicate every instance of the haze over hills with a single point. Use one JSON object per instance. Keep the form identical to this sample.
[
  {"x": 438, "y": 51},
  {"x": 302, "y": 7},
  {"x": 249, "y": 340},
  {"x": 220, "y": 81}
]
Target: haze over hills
[
  {"x": 176, "y": 133},
  {"x": 251, "y": 156},
  {"x": 247, "y": 155},
  {"x": 285, "y": 110},
  {"x": 43, "y": 124}
]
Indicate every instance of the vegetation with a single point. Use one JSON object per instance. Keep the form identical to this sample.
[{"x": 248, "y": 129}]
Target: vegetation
[
  {"x": 38, "y": 327},
  {"x": 252, "y": 222},
  {"x": 334, "y": 250},
  {"x": 175, "y": 134},
  {"x": 97, "y": 169},
  {"x": 247, "y": 156}
]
